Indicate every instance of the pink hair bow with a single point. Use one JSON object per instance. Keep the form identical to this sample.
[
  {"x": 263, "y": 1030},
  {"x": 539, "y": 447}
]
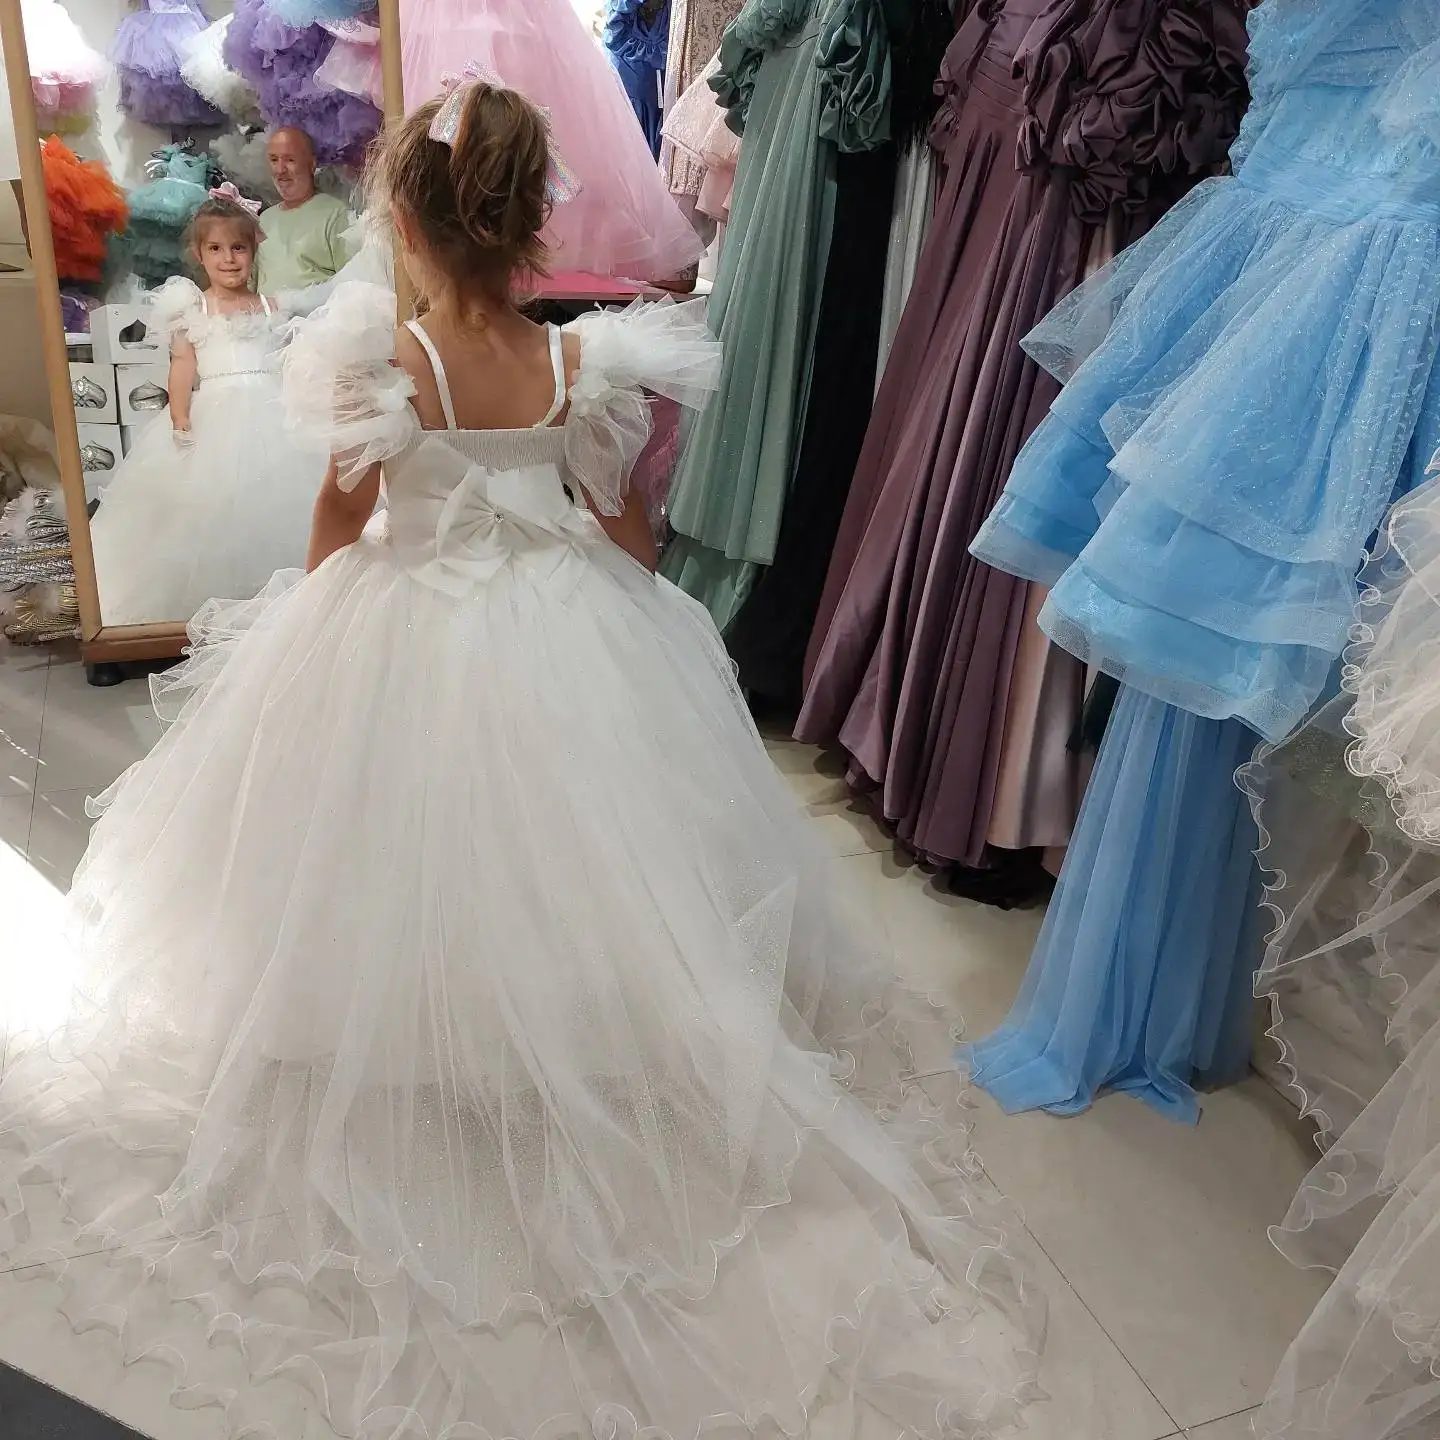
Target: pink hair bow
[
  {"x": 561, "y": 182},
  {"x": 227, "y": 191}
]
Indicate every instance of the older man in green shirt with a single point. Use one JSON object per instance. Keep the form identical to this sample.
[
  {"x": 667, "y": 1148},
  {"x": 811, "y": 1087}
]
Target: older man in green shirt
[{"x": 305, "y": 234}]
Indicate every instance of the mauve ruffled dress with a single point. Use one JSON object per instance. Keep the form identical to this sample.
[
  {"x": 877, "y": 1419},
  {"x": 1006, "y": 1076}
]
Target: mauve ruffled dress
[{"x": 1067, "y": 125}]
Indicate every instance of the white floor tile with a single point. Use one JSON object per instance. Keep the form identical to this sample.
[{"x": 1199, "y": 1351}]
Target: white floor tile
[
  {"x": 1093, "y": 1390},
  {"x": 1092, "y": 1393},
  {"x": 42, "y": 1206},
  {"x": 866, "y": 882},
  {"x": 972, "y": 955},
  {"x": 777, "y": 730},
  {"x": 927, "y": 942},
  {"x": 861, "y": 880},
  {"x": 15, "y": 823},
  {"x": 817, "y": 778},
  {"x": 1161, "y": 1229},
  {"x": 59, "y": 833},
  {"x": 19, "y": 760},
  {"x": 91, "y": 735},
  {"x": 21, "y": 660},
  {"x": 23, "y": 678},
  {"x": 1232, "y": 1427},
  {"x": 850, "y": 829}
]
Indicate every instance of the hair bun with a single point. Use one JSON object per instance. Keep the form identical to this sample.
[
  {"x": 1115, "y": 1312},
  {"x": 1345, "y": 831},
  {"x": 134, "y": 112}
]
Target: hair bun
[{"x": 480, "y": 204}]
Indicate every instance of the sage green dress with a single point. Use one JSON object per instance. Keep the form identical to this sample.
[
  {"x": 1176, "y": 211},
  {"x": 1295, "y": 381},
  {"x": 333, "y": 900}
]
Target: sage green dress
[{"x": 802, "y": 78}]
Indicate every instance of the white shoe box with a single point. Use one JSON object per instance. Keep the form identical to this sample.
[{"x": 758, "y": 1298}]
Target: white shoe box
[
  {"x": 92, "y": 389},
  {"x": 102, "y": 447},
  {"x": 125, "y": 335},
  {"x": 138, "y": 406}
]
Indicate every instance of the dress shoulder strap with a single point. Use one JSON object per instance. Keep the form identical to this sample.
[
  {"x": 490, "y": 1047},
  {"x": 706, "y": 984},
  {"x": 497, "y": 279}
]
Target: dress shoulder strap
[
  {"x": 265, "y": 304},
  {"x": 557, "y": 364},
  {"x": 441, "y": 383}
]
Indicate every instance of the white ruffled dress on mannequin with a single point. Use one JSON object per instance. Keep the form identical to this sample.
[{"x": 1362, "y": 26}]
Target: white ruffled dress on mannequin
[{"x": 474, "y": 993}]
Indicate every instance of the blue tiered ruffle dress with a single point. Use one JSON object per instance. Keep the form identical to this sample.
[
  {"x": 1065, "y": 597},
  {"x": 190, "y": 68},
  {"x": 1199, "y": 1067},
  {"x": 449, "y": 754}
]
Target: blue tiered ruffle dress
[{"x": 1242, "y": 394}]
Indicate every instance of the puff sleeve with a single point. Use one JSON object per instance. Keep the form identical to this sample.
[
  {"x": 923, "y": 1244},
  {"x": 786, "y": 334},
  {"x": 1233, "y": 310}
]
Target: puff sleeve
[
  {"x": 341, "y": 387},
  {"x": 625, "y": 357},
  {"x": 177, "y": 307}
]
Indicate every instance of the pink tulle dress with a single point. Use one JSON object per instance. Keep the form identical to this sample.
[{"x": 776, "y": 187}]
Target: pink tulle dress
[
  {"x": 353, "y": 64},
  {"x": 65, "y": 72},
  {"x": 624, "y": 223}
]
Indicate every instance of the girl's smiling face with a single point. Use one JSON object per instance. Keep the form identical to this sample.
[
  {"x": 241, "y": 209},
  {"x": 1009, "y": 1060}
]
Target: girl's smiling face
[{"x": 227, "y": 253}]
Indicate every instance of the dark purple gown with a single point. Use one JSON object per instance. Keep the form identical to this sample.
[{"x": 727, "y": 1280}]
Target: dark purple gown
[{"x": 1068, "y": 126}]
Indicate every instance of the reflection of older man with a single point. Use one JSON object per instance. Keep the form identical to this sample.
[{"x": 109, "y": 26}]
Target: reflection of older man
[{"x": 304, "y": 240}]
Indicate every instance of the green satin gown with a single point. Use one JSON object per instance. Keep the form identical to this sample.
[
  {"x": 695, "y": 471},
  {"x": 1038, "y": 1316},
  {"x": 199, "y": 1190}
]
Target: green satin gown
[{"x": 802, "y": 78}]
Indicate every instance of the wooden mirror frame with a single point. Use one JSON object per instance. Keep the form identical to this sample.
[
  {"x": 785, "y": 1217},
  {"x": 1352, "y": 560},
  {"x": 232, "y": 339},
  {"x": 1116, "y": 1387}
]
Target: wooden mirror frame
[{"x": 101, "y": 643}]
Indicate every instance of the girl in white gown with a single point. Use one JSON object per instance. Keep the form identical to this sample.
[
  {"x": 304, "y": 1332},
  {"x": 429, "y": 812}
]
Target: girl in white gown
[
  {"x": 458, "y": 970},
  {"x": 216, "y": 501}
]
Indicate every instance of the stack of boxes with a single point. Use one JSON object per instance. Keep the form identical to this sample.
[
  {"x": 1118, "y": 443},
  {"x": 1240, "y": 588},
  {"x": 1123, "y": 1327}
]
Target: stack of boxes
[{"x": 118, "y": 378}]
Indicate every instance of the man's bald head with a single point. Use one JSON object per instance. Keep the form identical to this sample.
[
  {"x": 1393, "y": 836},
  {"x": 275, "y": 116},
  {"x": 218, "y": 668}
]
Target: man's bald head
[{"x": 291, "y": 154}]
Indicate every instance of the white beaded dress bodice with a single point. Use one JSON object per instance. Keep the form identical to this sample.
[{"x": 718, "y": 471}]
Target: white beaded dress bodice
[
  {"x": 236, "y": 346},
  {"x": 463, "y": 504}
]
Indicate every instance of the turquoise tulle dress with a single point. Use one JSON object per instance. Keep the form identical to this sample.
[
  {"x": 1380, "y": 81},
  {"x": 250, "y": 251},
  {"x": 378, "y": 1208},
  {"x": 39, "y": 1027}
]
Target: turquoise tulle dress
[{"x": 1242, "y": 392}]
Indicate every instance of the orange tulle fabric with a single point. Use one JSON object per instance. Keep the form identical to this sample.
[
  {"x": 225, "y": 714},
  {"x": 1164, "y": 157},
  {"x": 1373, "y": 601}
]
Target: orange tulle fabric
[{"x": 86, "y": 208}]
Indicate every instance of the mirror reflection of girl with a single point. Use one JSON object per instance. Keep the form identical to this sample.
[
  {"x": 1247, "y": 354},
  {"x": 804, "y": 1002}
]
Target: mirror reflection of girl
[{"x": 218, "y": 499}]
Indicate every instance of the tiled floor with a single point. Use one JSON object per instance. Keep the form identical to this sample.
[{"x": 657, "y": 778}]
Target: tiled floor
[{"x": 1171, "y": 1310}]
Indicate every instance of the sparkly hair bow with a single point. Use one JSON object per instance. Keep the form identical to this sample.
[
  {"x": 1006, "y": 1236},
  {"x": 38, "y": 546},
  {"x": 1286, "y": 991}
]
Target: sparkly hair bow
[
  {"x": 561, "y": 183},
  {"x": 227, "y": 191}
]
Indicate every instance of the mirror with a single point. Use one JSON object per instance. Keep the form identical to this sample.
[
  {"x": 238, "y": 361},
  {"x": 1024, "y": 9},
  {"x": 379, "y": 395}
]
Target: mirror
[{"x": 193, "y": 171}]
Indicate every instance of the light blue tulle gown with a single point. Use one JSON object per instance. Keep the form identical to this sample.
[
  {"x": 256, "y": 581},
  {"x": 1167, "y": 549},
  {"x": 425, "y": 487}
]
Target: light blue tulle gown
[
  {"x": 1159, "y": 876},
  {"x": 1242, "y": 392}
]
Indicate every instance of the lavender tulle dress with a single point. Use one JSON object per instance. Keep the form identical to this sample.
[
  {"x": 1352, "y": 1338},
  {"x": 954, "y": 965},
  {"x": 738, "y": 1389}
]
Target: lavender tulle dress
[
  {"x": 148, "y": 50},
  {"x": 281, "y": 61}
]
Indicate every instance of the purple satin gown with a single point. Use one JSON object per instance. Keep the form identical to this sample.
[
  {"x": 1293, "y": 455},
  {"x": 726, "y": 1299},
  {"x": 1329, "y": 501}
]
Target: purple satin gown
[{"x": 1067, "y": 125}]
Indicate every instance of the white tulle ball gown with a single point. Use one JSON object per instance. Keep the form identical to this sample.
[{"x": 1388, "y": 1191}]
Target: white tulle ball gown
[
  {"x": 470, "y": 990},
  {"x": 176, "y": 527}
]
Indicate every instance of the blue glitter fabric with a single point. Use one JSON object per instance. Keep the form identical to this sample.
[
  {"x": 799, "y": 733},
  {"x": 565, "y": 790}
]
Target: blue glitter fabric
[{"x": 1243, "y": 384}]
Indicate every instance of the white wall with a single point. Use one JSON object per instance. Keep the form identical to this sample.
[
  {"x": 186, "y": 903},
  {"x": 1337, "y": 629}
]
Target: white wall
[{"x": 9, "y": 157}]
